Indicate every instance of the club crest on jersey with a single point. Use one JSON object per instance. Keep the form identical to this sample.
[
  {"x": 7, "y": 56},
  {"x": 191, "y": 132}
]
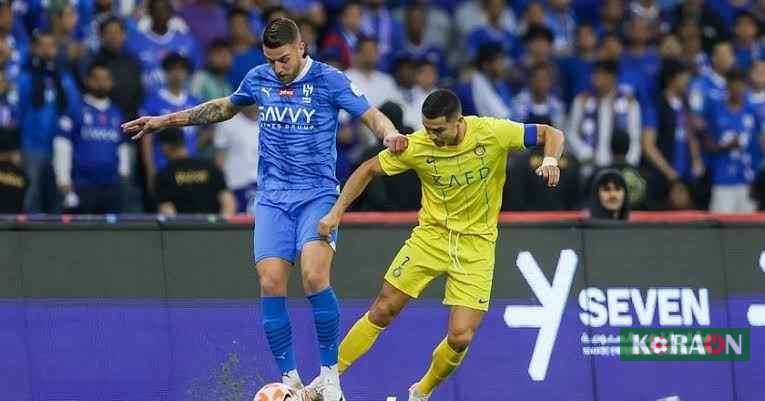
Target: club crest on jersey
[
  {"x": 480, "y": 150},
  {"x": 356, "y": 90},
  {"x": 307, "y": 90},
  {"x": 286, "y": 92}
]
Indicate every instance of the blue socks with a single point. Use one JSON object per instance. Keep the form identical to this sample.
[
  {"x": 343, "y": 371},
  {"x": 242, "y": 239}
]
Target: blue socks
[
  {"x": 276, "y": 323},
  {"x": 326, "y": 315}
]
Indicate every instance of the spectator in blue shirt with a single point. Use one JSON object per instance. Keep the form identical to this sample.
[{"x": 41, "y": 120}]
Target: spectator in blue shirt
[
  {"x": 244, "y": 46},
  {"x": 491, "y": 95},
  {"x": 735, "y": 131},
  {"x": 757, "y": 100},
  {"x": 46, "y": 92},
  {"x": 378, "y": 22},
  {"x": 494, "y": 32},
  {"x": 612, "y": 14},
  {"x": 90, "y": 154},
  {"x": 536, "y": 104},
  {"x": 746, "y": 44},
  {"x": 173, "y": 97},
  {"x": 710, "y": 87},
  {"x": 575, "y": 70},
  {"x": 159, "y": 34},
  {"x": 639, "y": 64},
  {"x": 670, "y": 147},
  {"x": 64, "y": 20},
  {"x": 415, "y": 47},
  {"x": 13, "y": 43},
  {"x": 560, "y": 19}
]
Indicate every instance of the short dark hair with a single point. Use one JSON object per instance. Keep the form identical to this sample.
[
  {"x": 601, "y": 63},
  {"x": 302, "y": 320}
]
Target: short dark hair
[
  {"x": 364, "y": 39},
  {"x": 112, "y": 19},
  {"x": 488, "y": 53},
  {"x": 173, "y": 60},
  {"x": 746, "y": 14},
  {"x": 538, "y": 32},
  {"x": 171, "y": 136},
  {"x": 219, "y": 43},
  {"x": 442, "y": 103},
  {"x": 238, "y": 12},
  {"x": 607, "y": 66},
  {"x": 670, "y": 69},
  {"x": 280, "y": 32},
  {"x": 96, "y": 64}
]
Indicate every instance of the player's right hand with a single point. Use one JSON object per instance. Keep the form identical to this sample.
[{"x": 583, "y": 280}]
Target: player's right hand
[
  {"x": 143, "y": 126},
  {"x": 328, "y": 223},
  {"x": 396, "y": 142}
]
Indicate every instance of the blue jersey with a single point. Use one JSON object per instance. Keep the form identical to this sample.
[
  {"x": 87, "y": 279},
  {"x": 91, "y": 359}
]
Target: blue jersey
[
  {"x": 757, "y": 102},
  {"x": 706, "y": 90},
  {"x": 95, "y": 134},
  {"x": 298, "y": 125},
  {"x": 151, "y": 49},
  {"x": 164, "y": 102},
  {"x": 16, "y": 58},
  {"x": 39, "y": 124},
  {"x": 735, "y": 166}
]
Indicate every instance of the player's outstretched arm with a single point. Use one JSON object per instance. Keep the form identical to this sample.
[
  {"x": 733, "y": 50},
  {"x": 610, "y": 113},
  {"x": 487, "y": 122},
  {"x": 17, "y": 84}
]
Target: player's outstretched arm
[
  {"x": 355, "y": 185},
  {"x": 384, "y": 129},
  {"x": 210, "y": 112},
  {"x": 553, "y": 140}
]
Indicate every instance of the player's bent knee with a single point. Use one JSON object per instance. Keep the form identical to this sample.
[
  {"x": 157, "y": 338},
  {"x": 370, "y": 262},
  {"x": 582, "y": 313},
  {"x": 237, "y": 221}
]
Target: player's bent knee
[
  {"x": 459, "y": 338},
  {"x": 314, "y": 281},
  {"x": 272, "y": 285},
  {"x": 383, "y": 311}
]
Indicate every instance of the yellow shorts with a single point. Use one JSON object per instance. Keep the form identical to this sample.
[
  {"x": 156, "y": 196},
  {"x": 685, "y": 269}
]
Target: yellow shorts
[{"x": 467, "y": 261}]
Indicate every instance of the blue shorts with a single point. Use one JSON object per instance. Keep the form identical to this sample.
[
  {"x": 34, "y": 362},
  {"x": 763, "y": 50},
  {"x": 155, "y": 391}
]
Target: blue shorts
[{"x": 282, "y": 230}]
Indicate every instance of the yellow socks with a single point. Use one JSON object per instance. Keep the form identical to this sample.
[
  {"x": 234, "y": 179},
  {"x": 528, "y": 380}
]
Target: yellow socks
[
  {"x": 445, "y": 360},
  {"x": 357, "y": 342}
]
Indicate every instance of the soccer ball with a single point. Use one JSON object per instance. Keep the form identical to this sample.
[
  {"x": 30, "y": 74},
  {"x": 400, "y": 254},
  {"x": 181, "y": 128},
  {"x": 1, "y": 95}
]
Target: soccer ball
[{"x": 276, "y": 392}]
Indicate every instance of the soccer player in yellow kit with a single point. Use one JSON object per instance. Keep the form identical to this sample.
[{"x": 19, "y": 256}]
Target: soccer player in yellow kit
[{"x": 461, "y": 162}]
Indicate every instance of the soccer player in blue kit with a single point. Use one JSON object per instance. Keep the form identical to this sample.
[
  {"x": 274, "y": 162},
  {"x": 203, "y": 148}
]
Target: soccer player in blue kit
[{"x": 299, "y": 100}]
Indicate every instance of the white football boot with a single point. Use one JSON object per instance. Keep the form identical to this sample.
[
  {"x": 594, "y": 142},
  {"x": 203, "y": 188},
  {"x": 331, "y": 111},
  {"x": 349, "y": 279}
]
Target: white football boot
[{"x": 327, "y": 384}]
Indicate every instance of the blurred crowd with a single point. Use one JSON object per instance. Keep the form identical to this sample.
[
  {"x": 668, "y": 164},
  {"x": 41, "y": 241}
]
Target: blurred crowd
[{"x": 670, "y": 94}]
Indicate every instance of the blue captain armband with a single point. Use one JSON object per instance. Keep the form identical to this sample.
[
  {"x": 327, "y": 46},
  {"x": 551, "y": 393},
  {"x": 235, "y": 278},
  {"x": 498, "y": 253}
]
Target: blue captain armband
[{"x": 529, "y": 135}]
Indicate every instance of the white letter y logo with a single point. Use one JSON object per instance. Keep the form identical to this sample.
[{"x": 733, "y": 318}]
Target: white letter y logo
[{"x": 546, "y": 317}]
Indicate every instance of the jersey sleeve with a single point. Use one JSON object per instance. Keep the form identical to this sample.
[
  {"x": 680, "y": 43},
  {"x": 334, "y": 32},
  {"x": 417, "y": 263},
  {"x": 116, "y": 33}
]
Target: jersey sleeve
[
  {"x": 393, "y": 164},
  {"x": 66, "y": 126},
  {"x": 513, "y": 135},
  {"x": 245, "y": 94},
  {"x": 345, "y": 95}
]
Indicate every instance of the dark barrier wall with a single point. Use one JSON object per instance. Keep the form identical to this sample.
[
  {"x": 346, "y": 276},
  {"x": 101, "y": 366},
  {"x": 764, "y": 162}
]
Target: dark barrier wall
[{"x": 148, "y": 312}]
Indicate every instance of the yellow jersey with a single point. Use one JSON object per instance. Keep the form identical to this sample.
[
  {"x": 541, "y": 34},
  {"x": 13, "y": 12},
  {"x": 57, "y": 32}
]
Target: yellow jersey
[{"x": 461, "y": 184}]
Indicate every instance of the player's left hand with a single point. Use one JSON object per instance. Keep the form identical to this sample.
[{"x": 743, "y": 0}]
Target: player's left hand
[
  {"x": 551, "y": 174},
  {"x": 328, "y": 223},
  {"x": 397, "y": 143}
]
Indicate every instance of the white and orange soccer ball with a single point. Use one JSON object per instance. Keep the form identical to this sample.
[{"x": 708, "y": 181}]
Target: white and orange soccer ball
[
  {"x": 283, "y": 392},
  {"x": 276, "y": 392}
]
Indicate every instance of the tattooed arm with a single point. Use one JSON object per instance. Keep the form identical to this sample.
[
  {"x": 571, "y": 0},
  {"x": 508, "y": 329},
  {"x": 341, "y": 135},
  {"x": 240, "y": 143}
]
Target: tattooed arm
[{"x": 210, "y": 112}]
